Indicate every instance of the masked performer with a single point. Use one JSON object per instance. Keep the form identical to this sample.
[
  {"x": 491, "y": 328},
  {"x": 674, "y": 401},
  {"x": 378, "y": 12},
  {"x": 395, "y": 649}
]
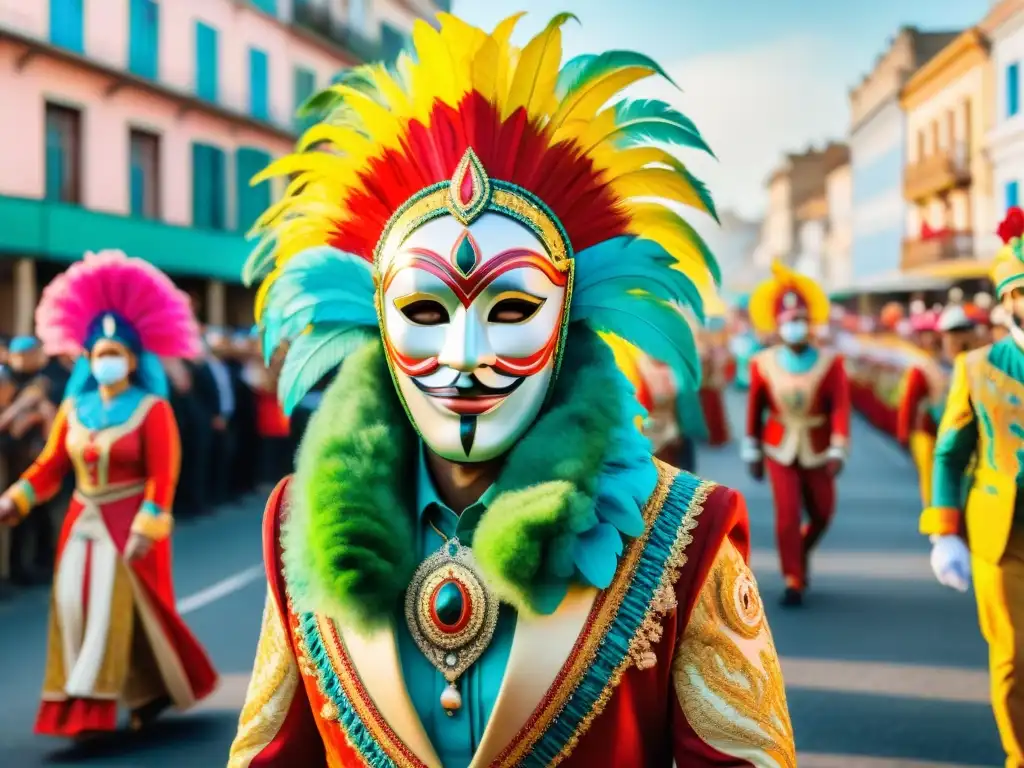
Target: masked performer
[
  {"x": 482, "y": 564},
  {"x": 921, "y": 396},
  {"x": 115, "y": 634},
  {"x": 798, "y": 418},
  {"x": 984, "y": 418},
  {"x": 715, "y": 364}
]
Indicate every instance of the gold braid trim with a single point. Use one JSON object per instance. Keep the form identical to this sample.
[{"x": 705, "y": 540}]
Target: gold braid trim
[{"x": 271, "y": 690}]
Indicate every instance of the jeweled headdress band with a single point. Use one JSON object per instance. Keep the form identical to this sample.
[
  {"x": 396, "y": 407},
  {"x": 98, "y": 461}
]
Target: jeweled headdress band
[{"x": 468, "y": 195}]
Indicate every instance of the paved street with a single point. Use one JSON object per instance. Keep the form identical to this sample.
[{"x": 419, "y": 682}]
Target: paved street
[{"x": 884, "y": 667}]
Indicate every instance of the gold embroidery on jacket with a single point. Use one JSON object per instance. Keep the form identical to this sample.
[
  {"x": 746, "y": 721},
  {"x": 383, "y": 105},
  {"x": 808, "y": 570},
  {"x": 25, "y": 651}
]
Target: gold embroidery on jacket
[
  {"x": 271, "y": 689},
  {"x": 726, "y": 671}
]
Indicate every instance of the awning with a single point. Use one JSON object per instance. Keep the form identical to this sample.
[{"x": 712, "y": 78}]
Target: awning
[
  {"x": 955, "y": 269},
  {"x": 892, "y": 282}
]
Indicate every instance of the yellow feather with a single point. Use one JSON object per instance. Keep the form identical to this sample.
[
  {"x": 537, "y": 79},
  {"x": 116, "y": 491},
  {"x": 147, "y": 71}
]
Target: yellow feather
[
  {"x": 391, "y": 90},
  {"x": 588, "y": 133},
  {"x": 375, "y": 120},
  {"x": 434, "y": 71},
  {"x": 658, "y": 182},
  {"x": 502, "y": 62},
  {"x": 654, "y": 221},
  {"x": 320, "y": 163},
  {"x": 533, "y": 85},
  {"x": 262, "y": 291},
  {"x": 485, "y": 69},
  {"x": 619, "y": 162},
  {"x": 342, "y": 138},
  {"x": 588, "y": 99},
  {"x": 462, "y": 39}
]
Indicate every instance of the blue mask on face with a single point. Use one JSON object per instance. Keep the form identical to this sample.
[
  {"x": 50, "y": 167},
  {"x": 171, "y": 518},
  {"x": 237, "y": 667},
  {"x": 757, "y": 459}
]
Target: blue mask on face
[
  {"x": 794, "y": 331},
  {"x": 109, "y": 370}
]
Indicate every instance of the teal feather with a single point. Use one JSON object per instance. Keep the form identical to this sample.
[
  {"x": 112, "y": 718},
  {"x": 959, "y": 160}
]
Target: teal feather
[
  {"x": 569, "y": 75},
  {"x": 312, "y": 356},
  {"x": 650, "y": 325},
  {"x": 626, "y": 264},
  {"x": 638, "y": 122},
  {"x": 597, "y": 554},
  {"x": 260, "y": 262},
  {"x": 692, "y": 235},
  {"x": 583, "y": 70}
]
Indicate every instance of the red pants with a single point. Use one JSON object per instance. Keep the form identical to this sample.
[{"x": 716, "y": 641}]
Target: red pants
[{"x": 794, "y": 488}]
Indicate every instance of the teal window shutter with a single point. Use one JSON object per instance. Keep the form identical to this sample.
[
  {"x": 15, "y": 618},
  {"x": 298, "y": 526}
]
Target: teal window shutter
[
  {"x": 137, "y": 180},
  {"x": 54, "y": 160},
  {"x": 1013, "y": 89},
  {"x": 270, "y": 6},
  {"x": 66, "y": 23},
  {"x": 1012, "y": 194},
  {"x": 143, "y": 38},
  {"x": 252, "y": 201},
  {"x": 258, "y": 84},
  {"x": 208, "y": 187},
  {"x": 206, "y": 62},
  {"x": 218, "y": 183},
  {"x": 305, "y": 85}
]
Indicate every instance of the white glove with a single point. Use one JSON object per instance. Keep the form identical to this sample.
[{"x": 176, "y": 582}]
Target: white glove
[{"x": 951, "y": 562}]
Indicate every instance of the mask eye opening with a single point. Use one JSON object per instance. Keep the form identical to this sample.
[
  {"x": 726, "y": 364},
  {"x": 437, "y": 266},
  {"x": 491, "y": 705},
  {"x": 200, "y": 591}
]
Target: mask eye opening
[
  {"x": 514, "y": 308},
  {"x": 423, "y": 311}
]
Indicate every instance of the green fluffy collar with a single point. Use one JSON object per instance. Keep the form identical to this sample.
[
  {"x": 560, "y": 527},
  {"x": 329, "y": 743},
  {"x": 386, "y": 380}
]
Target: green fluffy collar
[{"x": 349, "y": 544}]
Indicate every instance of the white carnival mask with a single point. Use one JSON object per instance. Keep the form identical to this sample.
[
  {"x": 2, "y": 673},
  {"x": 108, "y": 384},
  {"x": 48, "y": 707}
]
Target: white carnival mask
[{"x": 472, "y": 318}]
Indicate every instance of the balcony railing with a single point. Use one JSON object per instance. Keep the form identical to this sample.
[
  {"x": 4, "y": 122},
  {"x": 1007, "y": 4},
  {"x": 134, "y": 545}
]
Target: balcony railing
[
  {"x": 320, "y": 22},
  {"x": 946, "y": 247},
  {"x": 937, "y": 173}
]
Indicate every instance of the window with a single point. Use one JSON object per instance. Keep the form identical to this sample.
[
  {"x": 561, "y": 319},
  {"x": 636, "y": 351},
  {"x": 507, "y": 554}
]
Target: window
[
  {"x": 922, "y": 147},
  {"x": 206, "y": 62},
  {"x": 968, "y": 127},
  {"x": 1012, "y": 194},
  {"x": 66, "y": 21},
  {"x": 305, "y": 86},
  {"x": 268, "y": 6},
  {"x": 143, "y": 38},
  {"x": 357, "y": 15},
  {"x": 1013, "y": 89},
  {"x": 63, "y": 154},
  {"x": 144, "y": 170},
  {"x": 258, "y": 85},
  {"x": 392, "y": 41},
  {"x": 209, "y": 187},
  {"x": 252, "y": 201}
]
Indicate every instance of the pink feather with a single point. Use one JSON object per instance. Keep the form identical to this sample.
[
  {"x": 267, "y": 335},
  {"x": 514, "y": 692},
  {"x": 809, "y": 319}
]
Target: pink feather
[{"x": 110, "y": 281}]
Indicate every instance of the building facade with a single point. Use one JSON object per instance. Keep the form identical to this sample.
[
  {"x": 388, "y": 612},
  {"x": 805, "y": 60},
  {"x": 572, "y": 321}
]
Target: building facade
[
  {"x": 947, "y": 179},
  {"x": 733, "y": 242},
  {"x": 796, "y": 196},
  {"x": 837, "y": 266},
  {"x": 877, "y": 155},
  {"x": 137, "y": 124},
  {"x": 1005, "y": 29}
]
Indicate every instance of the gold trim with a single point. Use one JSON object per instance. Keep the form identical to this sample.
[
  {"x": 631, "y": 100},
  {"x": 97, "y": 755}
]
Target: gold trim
[
  {"x": 104, "y": 439},
  {"x": 153, "y": 527}
]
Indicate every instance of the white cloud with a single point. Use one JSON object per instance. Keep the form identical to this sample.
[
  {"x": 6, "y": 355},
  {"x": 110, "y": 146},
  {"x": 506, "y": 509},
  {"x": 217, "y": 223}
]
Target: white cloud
[{"x": 751, "y": 106}]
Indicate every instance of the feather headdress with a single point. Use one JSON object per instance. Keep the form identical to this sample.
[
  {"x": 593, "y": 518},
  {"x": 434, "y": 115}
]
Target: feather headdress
[
  {"x": 1008, "y": 265},
  {"x": 109, "y": 283},
  {"x": 468, "y": 110},
  {"x": 786, "y": 289}
]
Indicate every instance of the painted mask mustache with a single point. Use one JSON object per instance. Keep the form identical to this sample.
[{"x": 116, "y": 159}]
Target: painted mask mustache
[{"x": 468, "y": 394}]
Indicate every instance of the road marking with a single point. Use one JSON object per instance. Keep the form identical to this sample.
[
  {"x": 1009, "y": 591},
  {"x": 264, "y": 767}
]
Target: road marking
[
  {"x": 221, "y": 589},
  {"x": 812, "y": 760},
  {"x": 896, "y": 566},
  {"x": 909, "y": 681}
]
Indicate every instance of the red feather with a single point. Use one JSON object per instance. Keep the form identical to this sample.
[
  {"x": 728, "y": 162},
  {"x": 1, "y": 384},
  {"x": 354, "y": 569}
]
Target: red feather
[
  {"x": 1012, "y": 226},
  {"x": 514, "y": 150}
]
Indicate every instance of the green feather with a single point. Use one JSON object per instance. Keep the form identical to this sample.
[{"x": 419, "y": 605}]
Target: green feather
[
  {"x": 312, "y": 356},
  {"x": 260, "y": 262},
  {"x": 569, "y": 75}
]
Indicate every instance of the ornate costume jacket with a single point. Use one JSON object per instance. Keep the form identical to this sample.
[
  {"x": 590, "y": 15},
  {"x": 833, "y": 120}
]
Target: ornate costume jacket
[
  {"x": 673, "y": 661},
  {"x": 922, "y": 388},
  {"x": 800, "y": 418},
  {"x": 984, "y": 419}
]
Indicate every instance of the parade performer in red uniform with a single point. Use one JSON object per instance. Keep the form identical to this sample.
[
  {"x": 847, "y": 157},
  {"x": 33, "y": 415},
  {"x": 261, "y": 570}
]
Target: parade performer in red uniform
[
  {"x": 715, "y": 364},
  {"x": 478, "y": 562},
  {"x": 798, "y": 418},
  {"x": 115, "y": 634}
]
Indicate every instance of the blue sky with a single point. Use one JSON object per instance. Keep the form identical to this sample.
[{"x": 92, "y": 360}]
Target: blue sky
[{"x": 758, "y": 77}]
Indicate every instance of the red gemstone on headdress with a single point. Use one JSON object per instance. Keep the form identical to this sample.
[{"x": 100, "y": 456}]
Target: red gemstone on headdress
[
  {"x": 450, "y": 607},
  {"x": 467, "y": 186}
]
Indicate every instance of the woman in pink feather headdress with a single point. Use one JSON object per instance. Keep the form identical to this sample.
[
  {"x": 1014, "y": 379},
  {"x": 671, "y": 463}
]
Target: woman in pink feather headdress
[{"x": 115, "y": 632}]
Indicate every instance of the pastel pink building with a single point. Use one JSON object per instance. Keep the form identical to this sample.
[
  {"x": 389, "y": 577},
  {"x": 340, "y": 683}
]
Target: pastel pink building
[{"x": 137, "y": 124}]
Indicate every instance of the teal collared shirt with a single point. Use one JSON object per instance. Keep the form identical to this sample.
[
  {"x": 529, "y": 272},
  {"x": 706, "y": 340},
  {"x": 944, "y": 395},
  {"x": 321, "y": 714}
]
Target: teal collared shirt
[
  {"x": 455, "y": 738},
  {"x": 798, "y": 362}
]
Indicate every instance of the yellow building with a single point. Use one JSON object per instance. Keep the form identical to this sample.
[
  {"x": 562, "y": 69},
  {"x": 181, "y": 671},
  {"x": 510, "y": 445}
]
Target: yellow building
[{"x": 949, "y": 106}]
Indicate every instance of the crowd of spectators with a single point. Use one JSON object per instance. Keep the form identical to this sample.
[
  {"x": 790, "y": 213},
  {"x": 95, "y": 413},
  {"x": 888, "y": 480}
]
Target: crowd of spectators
[{"x": 235, "y": 439}]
